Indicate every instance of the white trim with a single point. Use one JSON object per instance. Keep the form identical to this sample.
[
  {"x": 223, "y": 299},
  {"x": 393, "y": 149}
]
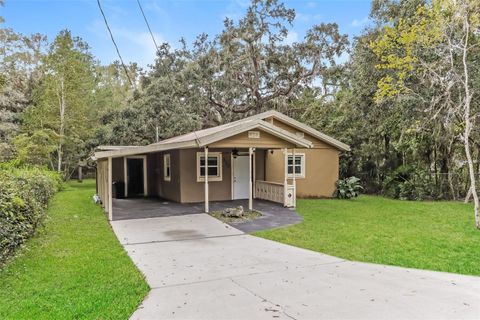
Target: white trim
[
  {"x": 145, "y": 184},
  {"x": 207, "y": 204},
  {"x": 294, "y": 177},
  {"x": 125, "y": 173},
  {"x": 109, "y": 188},
  {"x": 285, "y": 176},
  {"x": 219, "y": 177},
  {"x": 303, "y": 165},
  {"x": 231, "y": 175},
  {"x": 165, "y": 177},
  {"x": 257, "y": 124},
  {"x": 250, "y": 179},
  {"x": 254, "y": 171}
]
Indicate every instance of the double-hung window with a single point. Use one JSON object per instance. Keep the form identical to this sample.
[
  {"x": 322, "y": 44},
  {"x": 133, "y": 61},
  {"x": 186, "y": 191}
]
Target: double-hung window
[
  {"x": 167, "y": 169},
  {"x": 296, "y": 165},
  {"x": 213, "y": 166}
]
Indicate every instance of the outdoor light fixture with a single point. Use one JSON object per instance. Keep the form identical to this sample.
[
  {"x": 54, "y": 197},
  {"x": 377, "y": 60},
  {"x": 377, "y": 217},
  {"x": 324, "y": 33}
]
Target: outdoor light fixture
[{"x": 235, "y": 152}]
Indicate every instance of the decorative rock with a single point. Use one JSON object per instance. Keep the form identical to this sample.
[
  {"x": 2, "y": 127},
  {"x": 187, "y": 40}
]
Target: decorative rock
[{"x": 233, "y": 212}]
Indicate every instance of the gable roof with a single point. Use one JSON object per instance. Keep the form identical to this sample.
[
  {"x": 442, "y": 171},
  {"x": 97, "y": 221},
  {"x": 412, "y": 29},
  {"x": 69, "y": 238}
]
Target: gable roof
[
  {"x": 208, "y": 136},
  {"x": 304, "y": 128}
]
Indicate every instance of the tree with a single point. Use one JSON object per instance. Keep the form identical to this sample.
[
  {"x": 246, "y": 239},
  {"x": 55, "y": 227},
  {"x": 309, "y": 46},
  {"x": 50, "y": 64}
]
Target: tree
[
  {"x": 437, "y": 51},
  {"x": 252, "y": 68},
  {"x": 37, "y": 148},
  {"x": 248, "y": 68},
  {"x": 20, "y": 58},
  {"x": 64, "y": 98}
]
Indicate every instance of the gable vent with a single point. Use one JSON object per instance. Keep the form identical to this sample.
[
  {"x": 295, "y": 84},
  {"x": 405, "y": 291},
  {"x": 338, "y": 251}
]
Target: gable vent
[{"x": 253, "y": 134}]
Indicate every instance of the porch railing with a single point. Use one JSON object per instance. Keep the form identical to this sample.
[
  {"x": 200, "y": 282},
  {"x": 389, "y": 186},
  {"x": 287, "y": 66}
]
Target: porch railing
[{"x": 275, "y": 192}]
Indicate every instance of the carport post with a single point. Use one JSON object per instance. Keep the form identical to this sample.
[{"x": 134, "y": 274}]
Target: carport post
[
  {"x": 109, "y": 173},
  {"x": 285, "y": 181},
  {"x": 294, "y": 181},
  {"x": 250, "y": 182},
  {"x": 206, "y": 179}
]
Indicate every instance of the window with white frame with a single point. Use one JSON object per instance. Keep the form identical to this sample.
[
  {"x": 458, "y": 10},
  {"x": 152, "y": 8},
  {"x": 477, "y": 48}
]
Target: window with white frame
[
  {"x": 297, "y": 164},
  {"x": 167, "y": 172},
  {"x": 213, "y": 166}
]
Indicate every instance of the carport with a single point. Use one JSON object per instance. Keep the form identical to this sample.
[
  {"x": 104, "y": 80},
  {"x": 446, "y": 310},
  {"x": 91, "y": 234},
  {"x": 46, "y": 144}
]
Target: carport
[{"x": 274, "y": 215}]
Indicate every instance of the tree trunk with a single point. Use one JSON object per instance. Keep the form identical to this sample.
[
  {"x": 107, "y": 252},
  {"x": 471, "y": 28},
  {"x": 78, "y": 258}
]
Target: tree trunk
[
  {"x": 62, "y": 126},
  {"x": 471, "y": 169},
  {"x": 468, "y": 126}
]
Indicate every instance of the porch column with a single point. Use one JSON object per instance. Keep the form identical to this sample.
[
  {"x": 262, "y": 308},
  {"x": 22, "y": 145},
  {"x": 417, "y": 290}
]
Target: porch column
[
  {"x": 250, "y": 180},
  {"x": 206, "y": 179},
  {"x": 294, "y": 181},
  {"x": 109, "y": 188},
  {"x": 285, "y": 181}
]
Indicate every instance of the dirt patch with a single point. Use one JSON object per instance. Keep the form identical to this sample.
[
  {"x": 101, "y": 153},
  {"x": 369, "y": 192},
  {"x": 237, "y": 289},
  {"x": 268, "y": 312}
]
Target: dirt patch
[{"x": 247, "y": 216}]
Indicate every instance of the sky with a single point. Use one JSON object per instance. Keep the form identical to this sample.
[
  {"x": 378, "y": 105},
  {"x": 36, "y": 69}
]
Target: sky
[{"x": 169, "y": 19}]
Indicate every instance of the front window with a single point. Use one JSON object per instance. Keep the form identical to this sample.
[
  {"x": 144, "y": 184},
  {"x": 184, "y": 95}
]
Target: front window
[
  {"x": 213, "y": 166},
  {"x": 298, "y": 165}
]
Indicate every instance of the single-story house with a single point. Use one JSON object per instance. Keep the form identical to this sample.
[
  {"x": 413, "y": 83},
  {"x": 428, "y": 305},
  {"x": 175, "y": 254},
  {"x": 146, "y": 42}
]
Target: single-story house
[{"x": 267, "y": 156}]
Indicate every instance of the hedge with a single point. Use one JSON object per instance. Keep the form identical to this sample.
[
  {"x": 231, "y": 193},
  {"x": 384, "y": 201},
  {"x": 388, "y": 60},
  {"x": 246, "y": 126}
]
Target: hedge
[{"x": 24, "y": 195}]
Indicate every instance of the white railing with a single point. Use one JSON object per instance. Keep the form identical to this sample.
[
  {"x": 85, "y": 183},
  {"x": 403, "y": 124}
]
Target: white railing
[{"x": 274, "y": 191}]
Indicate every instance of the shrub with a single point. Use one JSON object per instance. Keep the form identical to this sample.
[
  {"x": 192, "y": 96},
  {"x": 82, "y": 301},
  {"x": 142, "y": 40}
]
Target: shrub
[
  {"x": 24, "y": 195},
  {"x": 409, "y": 183},
  {"x": 348, "y": 188}
]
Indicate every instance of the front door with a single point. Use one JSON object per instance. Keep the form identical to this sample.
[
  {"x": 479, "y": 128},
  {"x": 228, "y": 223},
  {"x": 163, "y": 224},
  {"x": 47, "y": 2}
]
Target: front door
[
  {"x": 240, "y": 177},
  {"x": 135, "y": 177}
]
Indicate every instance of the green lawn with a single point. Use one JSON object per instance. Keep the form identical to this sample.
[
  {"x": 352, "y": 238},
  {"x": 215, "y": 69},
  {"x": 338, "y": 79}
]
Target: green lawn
[
  {"x": 426, "y": 235},
  {"x": 74, "y": 268}
]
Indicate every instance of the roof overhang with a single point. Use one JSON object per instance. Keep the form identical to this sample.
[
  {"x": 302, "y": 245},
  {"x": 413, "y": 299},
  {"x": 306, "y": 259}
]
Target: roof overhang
[{"x": 209, "y": 139}]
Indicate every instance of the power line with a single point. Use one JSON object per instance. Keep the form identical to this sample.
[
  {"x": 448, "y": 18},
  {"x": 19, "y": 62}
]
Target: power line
[
  {"x": 148, "y": 25},
  {"x": 153, "y": 38},
  {"x": 115, "y": 44}
]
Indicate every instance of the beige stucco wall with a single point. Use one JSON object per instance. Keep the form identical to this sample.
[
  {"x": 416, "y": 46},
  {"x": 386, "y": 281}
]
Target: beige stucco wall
[
  {"x": 193, "y": 191},
  {"x": 321, "y": 166},
  {"x": 242, "y": 140},
  {"x": 168, "y": 189},
  {"x": 321, "y": 171}
]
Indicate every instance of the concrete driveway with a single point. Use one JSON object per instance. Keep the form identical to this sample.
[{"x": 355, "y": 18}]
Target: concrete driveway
[{"x": 200, "y": 268}]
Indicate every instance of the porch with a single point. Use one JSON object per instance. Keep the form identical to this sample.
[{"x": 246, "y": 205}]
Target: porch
[{"x": 274, "y": 215}]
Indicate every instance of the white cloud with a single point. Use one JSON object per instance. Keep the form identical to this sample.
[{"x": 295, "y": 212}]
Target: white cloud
[
  {"x": 360, "y": 23},
  {"x": 135, "y": 46},
  {"x": 305, "y": 17},
  {"x": 292, "y": 37}
]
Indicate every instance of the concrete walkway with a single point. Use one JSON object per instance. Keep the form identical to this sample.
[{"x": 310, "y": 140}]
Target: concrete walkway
[{"x": 200, "y": 268}]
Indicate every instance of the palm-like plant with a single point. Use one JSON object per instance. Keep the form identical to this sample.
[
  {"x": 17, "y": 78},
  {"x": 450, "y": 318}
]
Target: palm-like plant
[{"x": 348, "y": 188}]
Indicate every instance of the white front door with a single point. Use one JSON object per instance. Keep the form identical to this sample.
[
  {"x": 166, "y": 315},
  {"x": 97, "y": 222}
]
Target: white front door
[{"x": 240, "y": 177}]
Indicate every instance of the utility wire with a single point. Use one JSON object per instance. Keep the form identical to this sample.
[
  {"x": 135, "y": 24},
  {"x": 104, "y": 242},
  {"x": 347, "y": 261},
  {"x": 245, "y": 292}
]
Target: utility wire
[
  {"x": 159, "y": 57},
  {"x": 148, "y": 25},
  {"x": 115, "y": 44},
  {"x": 153, "y": 38}
]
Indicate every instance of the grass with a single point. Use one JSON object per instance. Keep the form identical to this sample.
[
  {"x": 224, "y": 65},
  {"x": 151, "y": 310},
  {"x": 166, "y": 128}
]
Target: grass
[
  {"x": 247, "y": 216},
  {"x": 74, "y": 268},
  {"x": 425, "y": 235}
]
